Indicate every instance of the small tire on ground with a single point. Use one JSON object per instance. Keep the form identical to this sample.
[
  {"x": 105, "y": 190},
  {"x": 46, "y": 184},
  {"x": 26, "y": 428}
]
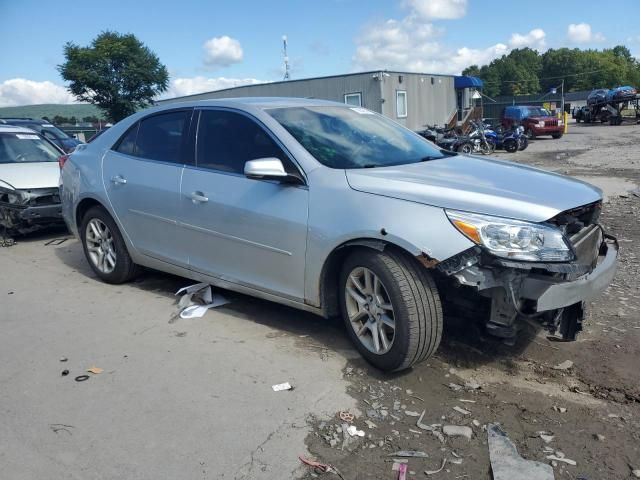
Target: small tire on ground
[
  {"x": 416, "y": 305},
  {"x": 125, "y": 269}
]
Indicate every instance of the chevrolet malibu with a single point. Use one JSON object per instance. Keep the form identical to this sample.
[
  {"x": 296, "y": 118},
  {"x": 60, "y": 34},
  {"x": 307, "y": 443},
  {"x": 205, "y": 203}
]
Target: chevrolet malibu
[{"x": 337, "y": 210}]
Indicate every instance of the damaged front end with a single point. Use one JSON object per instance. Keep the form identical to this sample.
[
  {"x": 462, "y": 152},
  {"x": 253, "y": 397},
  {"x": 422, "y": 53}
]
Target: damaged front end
[
  {"x": 27, "y": 210},
  {"x": 504, "y": 288}
]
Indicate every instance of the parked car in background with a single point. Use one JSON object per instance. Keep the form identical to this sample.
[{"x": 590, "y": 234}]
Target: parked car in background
[
  {"x": 335, "y": 209},
  {"x": 29, "y": 181},
  {"x": 597, "y": 96},
  {"x": 621, "y": 94},
  {"x": 46, "y": 129},
  {"x": 537, "y": 121}
]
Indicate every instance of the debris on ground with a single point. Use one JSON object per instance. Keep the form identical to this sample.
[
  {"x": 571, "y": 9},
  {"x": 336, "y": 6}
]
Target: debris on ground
[
  {"x": 197, "y": 299},
  {"x": 408, "y": 453},
  {"x": 636, "y": 473},
  {"x": 560, "y": 409},
  {"x": 95, "y": 370},
  {"x": 63, "y": 359},
  {"x": 457, "y": 431},
  {"x": 461, "y": 410},
  {"x": 507, "y": 464},
  {"x": 354, "y": 432},
  {"x": 65, "y": 373},
  {"x": 81, "y": 378},
  {"x": 560, "y": 457},
  {"x": 320, "y": 468},
  {"x": 566, "y": 365},
  {"x": 433, "y": 472},
  {"x": 282, "y": 386},
  {"x": 346, "y": 417},
  {"x": 401, "y": 468}
]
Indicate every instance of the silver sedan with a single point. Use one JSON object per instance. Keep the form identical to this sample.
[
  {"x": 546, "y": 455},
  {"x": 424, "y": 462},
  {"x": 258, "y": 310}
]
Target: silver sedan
[{"x": 337, "y": 210}]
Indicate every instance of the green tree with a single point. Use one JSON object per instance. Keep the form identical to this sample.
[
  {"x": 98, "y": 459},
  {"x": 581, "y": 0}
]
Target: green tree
[
  {"x": 59, "y": 120},
  {"x": 90, "y": 119},
  {"x": 118, "y": 73}
]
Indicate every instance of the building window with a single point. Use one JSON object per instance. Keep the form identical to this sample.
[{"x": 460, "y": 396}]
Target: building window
[
  {"x": 401, "y": 103},
  {"x": 354, "y": 99}
]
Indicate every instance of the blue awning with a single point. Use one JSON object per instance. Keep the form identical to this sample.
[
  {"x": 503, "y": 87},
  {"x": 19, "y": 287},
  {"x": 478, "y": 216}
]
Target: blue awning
[{"x": 467, "y": 82}]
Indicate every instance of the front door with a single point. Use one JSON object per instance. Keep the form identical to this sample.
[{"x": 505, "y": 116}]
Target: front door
[
  {"x": 142, "y": 179},
  {"x": 246, "y": 231}
]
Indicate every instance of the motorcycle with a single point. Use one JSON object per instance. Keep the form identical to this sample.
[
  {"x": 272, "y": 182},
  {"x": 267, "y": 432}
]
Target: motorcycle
[
  {"x": 510, "y": 140},
  {"x": 482, "y": 141}
]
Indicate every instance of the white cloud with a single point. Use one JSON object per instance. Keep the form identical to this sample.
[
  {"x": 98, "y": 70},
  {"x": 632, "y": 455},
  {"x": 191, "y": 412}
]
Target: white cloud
[
  {"x": 581, "y": 33},
  {"x": 20, "y": 91},
  {"x": 534, "y": 39},
  {"x": 222, "y": 52},
  {"x": 189, "y": 86},
  {"x": 412, "y": 44},
  {"x": 433, "y": 9}
]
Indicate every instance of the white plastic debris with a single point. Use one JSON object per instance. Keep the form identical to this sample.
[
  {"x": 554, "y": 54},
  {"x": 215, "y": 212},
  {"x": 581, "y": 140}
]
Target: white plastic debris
[
  {"x": 507, "y": 464},
  {"x": 197, "y": 299},
  {"x": 561, "y": 459},
  {"x": 354, "y": 432},
  {"x": 566, "y": 365},
  {"x": 461, "y": 410},
  {"x": 560, "y": 409},
  {"x": 457, "y": 431},
  {"x": 546, "y": 437},
  {"x": 433, "y": 472},
  {"x": 411, "y": 414},
  {"x": 282, "y": 386},
  {"x": 636, "y": 473}
]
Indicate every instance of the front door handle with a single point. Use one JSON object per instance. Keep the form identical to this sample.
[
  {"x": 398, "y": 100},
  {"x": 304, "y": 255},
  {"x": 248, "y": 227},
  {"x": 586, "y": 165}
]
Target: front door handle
[
  {"x": 118, "y": 179},
  {"x": 198, "y": 197}
]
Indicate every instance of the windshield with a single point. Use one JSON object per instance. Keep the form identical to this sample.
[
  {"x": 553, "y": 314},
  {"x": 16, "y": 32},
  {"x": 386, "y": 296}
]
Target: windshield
[
  {"x": 538, "y": 112},
  {"x": 341, "y": 137},
  {"x": 26, "y": 148},
  {"x": 55, "y": 131}
]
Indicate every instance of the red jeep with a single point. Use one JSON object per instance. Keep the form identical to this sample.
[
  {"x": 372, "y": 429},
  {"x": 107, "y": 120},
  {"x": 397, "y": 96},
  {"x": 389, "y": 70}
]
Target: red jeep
[{"x": 537, "y": 121}]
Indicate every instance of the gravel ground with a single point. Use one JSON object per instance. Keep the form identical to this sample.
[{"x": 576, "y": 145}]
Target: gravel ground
[{"x": 592, "y": 409}]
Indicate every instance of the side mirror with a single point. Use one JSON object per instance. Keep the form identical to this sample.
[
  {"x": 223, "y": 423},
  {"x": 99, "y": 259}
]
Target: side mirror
[{"x": 270, "y": 168}]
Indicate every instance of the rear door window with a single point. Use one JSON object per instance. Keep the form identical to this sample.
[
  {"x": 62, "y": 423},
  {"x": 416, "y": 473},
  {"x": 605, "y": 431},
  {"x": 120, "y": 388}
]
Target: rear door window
[{"x": 161, "y": 137}]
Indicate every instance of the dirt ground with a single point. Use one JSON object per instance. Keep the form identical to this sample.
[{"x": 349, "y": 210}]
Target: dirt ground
[{"x": 592, "y": 410}]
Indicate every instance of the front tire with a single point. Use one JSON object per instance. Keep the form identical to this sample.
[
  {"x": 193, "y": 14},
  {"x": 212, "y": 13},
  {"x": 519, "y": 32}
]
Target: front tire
[
  {"x": 466, "y": 148},
  {"x": 391, "y": 308},
  {"x": 104, "y": 247}
]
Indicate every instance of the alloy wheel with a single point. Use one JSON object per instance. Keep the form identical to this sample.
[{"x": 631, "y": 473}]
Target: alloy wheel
[
  {"x": 370, "y": 310},
  {"x": 100, "y": 247}
]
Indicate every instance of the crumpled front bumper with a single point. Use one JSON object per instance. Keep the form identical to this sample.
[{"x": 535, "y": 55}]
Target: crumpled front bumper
[{"x": 550, "y": 294}]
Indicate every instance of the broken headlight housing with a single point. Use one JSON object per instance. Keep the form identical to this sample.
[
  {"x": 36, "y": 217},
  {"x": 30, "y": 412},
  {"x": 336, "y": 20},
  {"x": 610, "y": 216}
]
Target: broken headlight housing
[
  {"x": 513, "y": 239},
  {"x": 10, "y": 196}
]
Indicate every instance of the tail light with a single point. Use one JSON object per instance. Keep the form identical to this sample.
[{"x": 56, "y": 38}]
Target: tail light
[{"x": 62, "y": 159}]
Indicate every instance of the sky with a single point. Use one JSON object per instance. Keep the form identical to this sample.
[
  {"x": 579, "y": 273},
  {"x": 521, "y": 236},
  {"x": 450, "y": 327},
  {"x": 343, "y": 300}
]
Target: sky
[{"x": 207, "y": 45}]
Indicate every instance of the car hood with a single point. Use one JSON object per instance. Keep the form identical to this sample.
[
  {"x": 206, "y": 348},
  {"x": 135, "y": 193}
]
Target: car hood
[
  {"x": 480, "y": 185},
  {"x": 29, "y": 175}
]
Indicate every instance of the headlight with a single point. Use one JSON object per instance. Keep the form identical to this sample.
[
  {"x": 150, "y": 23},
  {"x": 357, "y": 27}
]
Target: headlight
[
  {"x": 540, "y": 124},
  {"x": 513, "y": 239},
  {"x": 10, "y": 196}
]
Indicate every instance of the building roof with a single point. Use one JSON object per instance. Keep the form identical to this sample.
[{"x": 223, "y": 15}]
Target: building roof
[
  {"x": 371, "y": 72},
  {"x": 464, "y": 81}
]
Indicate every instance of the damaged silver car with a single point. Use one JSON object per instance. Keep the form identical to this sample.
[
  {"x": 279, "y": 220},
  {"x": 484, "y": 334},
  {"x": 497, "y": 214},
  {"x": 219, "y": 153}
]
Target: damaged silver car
[
  {"x": 29, "y": 181},
  {"x": 337, "y": 210}
]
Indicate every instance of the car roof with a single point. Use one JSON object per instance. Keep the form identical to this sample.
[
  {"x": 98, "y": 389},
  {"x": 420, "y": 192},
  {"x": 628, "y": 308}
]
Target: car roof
[
  {"x": 258, "y": 102},
  {"x": 14, "y": 129}
]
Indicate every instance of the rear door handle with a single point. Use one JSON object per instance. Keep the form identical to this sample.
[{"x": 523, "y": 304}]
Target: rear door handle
[
  {"x": 198, "y": 197},
  {"x": 118, "y": 179}
]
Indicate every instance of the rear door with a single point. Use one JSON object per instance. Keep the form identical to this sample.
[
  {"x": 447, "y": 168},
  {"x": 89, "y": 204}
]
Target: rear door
[
  {"x": 141, "y": 175},
  {"x": 246, "y": 231}
]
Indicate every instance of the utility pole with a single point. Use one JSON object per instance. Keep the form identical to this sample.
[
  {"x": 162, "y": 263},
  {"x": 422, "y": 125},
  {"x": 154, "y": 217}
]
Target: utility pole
[{"x": 287, "y": 76}]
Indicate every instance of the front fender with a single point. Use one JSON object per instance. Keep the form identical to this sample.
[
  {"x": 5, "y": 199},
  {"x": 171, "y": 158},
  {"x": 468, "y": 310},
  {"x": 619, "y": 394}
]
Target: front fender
[{"x": 339, "y": 214}]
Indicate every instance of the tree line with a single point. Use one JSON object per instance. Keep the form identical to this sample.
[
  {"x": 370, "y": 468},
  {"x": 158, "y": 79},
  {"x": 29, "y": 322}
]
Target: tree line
[
  {"x": 526, "y": 71},
  {"x": 61, "y": 120}
]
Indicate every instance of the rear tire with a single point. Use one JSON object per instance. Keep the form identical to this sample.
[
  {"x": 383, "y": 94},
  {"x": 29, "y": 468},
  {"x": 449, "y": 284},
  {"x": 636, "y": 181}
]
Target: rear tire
[
  {"x": 556, "y": 135},
  {"x": 104, "y": 247},
  {"x": 511, "y": 147},
  {"x": 409, "y": 298},
  {"x": 530, "y": 135},
  {"x": 523, "y": 143}
]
